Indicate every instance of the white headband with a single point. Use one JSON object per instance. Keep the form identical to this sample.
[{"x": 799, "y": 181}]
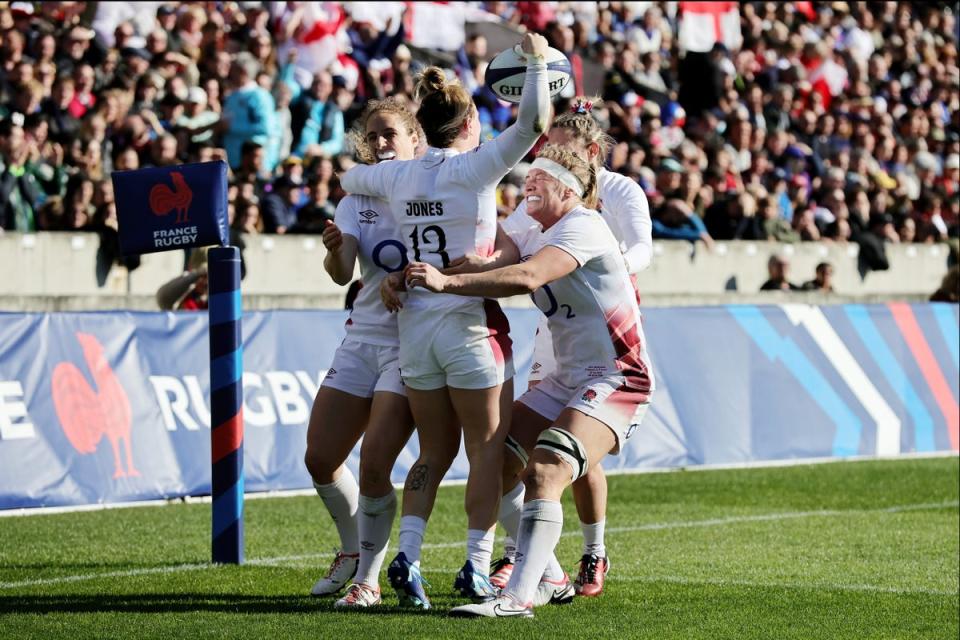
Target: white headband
[{"x": 559, "y": 172}]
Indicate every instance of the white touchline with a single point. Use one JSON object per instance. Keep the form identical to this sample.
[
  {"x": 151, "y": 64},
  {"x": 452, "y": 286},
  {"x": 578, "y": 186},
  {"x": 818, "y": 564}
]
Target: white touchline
[
  {"x": 653, "y": 526},
  {"x": 815, "y": 586}
]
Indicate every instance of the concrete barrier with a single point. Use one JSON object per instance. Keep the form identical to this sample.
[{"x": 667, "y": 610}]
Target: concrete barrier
[{"x": 58, "y": 265}]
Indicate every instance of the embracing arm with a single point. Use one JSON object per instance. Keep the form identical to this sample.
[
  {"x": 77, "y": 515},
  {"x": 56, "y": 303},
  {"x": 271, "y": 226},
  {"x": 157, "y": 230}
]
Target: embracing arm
[
  {"x": 637, "y": 228},
  {"x": 546, "y": 266},
  {"x": 375, "y": 180},
  {"x": 505, "y": 252}
]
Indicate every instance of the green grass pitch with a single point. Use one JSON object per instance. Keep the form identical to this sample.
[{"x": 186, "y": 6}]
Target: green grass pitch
[{"x": 858, "y": 550}]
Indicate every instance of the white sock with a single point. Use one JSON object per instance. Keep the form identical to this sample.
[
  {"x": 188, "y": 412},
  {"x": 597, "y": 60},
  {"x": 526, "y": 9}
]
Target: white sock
[
  {"x": 593, "y": 538},
  {"x": 374, "y": 520},
  {"x": 511, "y": 504},
  {"x": 509, "y": 548},
  {"x": 553, "y": 572},
  {"x": 412, "y": 529},
  {"x": 540, "y": 529},
  {"x": 479, "y": 549},
  {"x": 340, "y": 498}
]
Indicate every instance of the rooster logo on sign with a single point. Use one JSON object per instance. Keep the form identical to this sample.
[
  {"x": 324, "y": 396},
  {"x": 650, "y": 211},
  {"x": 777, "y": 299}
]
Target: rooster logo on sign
[
  {"x": 87, "y": 415},
  {"x": 163, "y": 199}
]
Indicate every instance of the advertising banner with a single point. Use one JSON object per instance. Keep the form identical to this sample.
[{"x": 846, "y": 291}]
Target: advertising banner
[{"x": 114, "y": 407}]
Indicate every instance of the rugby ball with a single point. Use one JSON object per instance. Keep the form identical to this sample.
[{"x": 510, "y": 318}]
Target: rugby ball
[{"x": 506, "y": 72}]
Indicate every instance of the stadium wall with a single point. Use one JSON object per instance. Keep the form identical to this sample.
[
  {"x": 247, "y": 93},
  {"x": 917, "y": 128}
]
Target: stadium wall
[
  {"x": 100, "y": 408},
  {"x": 65, "y": 264}
]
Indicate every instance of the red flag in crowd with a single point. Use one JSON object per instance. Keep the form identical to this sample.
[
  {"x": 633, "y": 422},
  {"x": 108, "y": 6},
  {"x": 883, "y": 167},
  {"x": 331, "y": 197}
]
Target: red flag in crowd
[{"x": 703, "y": 24}]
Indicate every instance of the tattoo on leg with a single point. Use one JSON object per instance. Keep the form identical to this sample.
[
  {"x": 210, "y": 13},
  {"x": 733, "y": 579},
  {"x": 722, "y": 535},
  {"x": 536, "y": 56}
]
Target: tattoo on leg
[{"x": 417, "y": 478}]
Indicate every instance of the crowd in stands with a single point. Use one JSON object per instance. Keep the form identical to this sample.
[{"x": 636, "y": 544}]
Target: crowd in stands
[{"x": 827, "y": 121}]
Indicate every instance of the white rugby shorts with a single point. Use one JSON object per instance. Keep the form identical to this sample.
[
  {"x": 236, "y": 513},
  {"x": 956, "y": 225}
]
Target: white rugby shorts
[
  {"x": 544, "y": 363},
  {"x": 464, "y": 348},
  {"x": 606, "y": 399},
  {"x": 362, "y": 369}
]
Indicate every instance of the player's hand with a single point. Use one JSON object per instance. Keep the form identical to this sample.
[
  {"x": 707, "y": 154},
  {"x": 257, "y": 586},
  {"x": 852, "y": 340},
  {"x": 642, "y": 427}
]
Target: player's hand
[
  {"x": 390, "y": 288},
  {"x": 534, "y": 44},
  {"x": 421, "y": 274},
  {"x": 469, "y": 263},
  {"x": 332, "y": 237}
]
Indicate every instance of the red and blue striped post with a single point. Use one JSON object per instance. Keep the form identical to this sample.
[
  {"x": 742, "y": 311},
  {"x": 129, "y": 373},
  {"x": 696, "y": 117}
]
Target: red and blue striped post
[{"x": 226, "y": 403}]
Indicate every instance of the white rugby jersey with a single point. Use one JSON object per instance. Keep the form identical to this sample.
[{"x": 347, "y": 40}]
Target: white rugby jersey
[
  {"x": 592, "y": 312},
  {"x": 380, "y": 252},
  {"x": 445, "y": 202},
  {"x": 623, "y": 206}
]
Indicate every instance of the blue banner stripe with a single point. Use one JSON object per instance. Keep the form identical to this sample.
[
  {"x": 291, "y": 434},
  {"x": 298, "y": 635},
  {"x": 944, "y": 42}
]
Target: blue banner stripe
[
  {"x": 226, "y": 370},
  {"x": 227, "y": 508},
  {"x": 225, "y": 339},
  {"x": 225, "y": 401},
  {"x": 225, "y": 307},
  {"x": 948, "y": 327},
  {"x": 225, "y": 471},
  {"x": 847, "y": 439},
  {"x": 876, "y": 346}
]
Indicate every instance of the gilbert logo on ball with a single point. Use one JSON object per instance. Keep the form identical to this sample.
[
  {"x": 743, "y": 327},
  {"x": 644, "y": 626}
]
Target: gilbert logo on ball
[{"x": 506, "y": 72}]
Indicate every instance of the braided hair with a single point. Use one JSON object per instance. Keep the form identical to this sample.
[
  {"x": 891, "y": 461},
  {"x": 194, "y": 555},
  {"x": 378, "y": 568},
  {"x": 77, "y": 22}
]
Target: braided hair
[{"x": 584, "y": 127}]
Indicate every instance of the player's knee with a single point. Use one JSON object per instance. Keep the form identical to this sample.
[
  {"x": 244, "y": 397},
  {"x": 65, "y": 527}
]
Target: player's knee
[
  {"x": 320, "y": 468},
  {"x": 374, "y": 477},
  {"x": 438, "y": 450},
  {"x": 568, "y": 448},
  {"x": 546, "y": 473}
]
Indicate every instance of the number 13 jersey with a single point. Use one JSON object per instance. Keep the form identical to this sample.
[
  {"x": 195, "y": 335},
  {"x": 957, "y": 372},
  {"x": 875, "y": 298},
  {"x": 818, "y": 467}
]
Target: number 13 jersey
[{"x": 443, "y": 205}]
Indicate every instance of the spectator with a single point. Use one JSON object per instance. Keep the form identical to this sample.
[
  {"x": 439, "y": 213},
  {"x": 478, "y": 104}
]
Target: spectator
[
  {"x": 677, "y": 221},
  {"x": 907, "y": 230},
  {"x": 949, "y": 290},
  {"x": 734, "y": 217},
  {"x": 317, "y": 121},
  {"x": 248, "y": 111},
  {"x": 508, "y": 199},
  {"x": 197, "y": 119},
  {"x": 20, "y": 195},
  {"x": 279, "y": 208},
  {"x": 772, "y": 224},
  {"x": 188, "y": 291},
  {"x": 778, "y": 268},
  {"x": 282, "y": 138},
  {"x": 873, "y": 252},
  {"x": 823, "y": 279},
  {"x": 313, "y": 217}
]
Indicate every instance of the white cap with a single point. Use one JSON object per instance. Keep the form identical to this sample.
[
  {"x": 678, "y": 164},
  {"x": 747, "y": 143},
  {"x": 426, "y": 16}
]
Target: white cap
[
  {"x": 197, "y": 94},
  {"x": 952, "y": 162},
  {"x": 924, "y": 160}
]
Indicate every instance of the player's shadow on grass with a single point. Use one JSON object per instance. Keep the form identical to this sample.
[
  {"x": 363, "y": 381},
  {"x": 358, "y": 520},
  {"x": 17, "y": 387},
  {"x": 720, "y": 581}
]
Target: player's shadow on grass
[{"x": 180, "y": 602}]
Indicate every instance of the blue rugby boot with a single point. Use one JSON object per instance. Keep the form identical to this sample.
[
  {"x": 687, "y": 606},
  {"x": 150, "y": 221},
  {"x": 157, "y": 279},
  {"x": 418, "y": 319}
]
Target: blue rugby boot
[{"x": 406, "y": 580}]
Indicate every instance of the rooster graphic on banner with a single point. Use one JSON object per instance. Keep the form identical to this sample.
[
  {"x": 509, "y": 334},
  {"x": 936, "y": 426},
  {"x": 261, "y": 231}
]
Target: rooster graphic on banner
[
  {"x": 163, "y": 199},
  {"x": 86, "y": 415}
]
